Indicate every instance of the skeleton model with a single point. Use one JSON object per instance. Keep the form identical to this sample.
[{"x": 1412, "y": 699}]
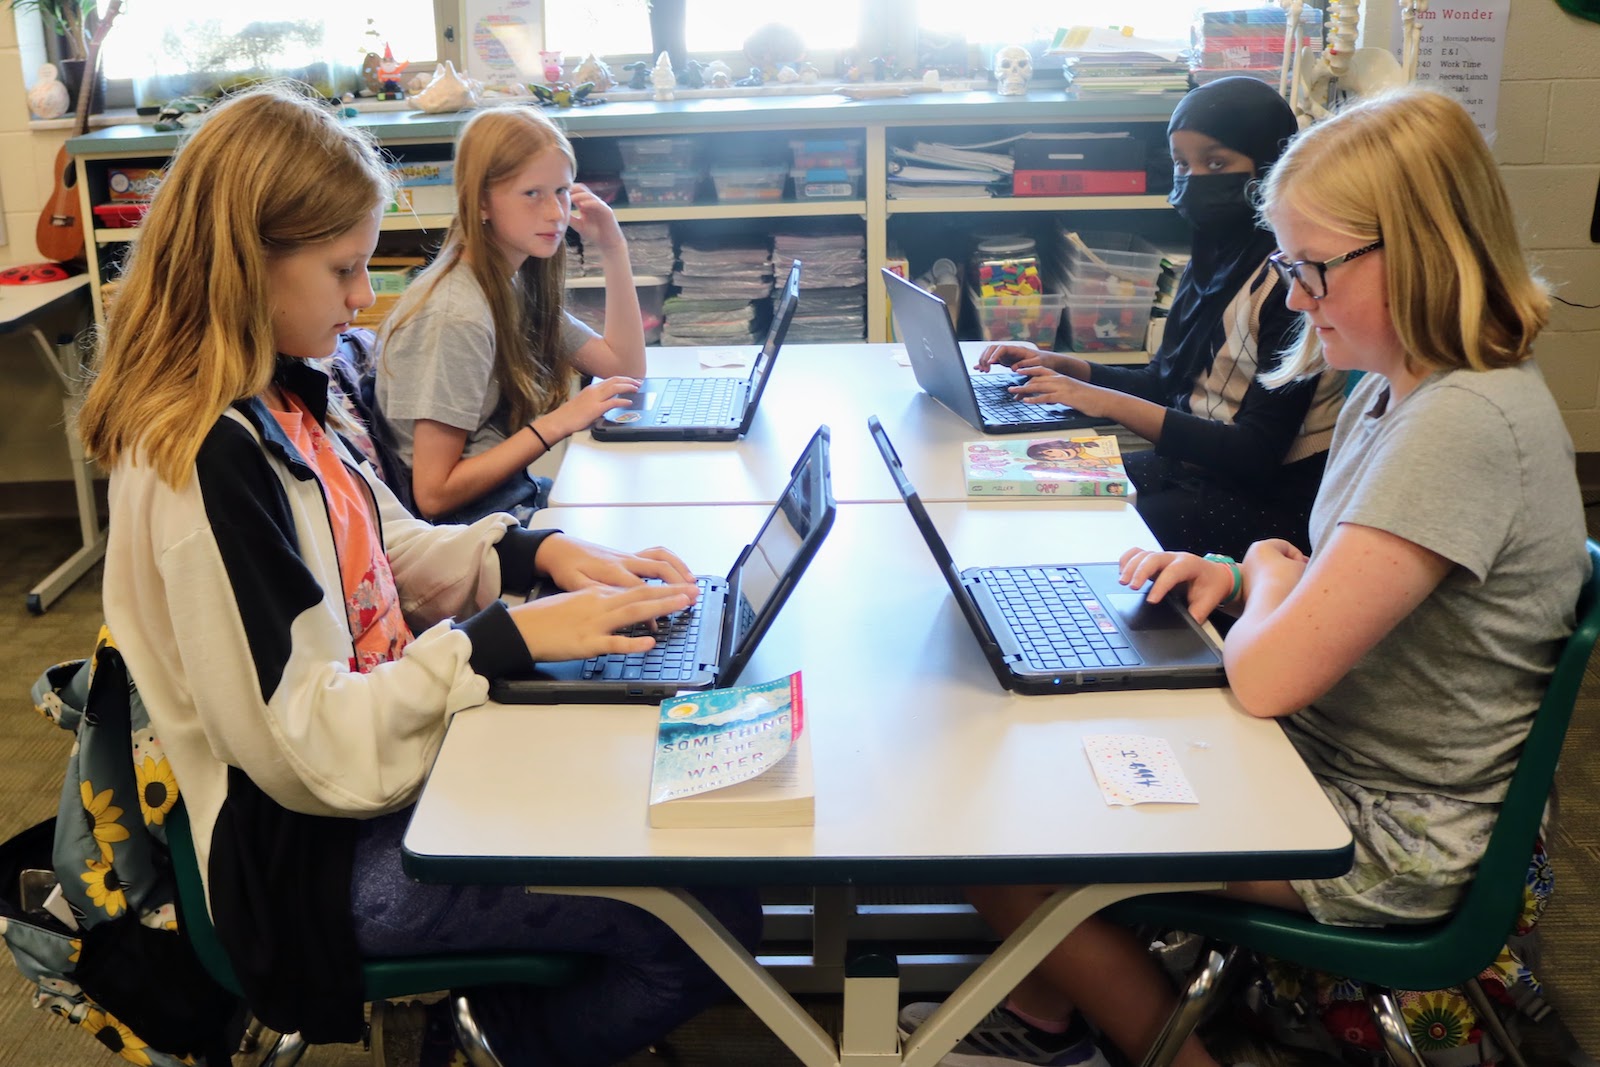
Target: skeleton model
[
  {"x": 1312, "y": 84},
  {"x": 1013, "y": 69}
]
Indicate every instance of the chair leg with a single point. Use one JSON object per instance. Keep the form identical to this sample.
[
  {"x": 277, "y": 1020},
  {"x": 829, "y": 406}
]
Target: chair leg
[
  {"x": 251, "y": 1039},
  {"x": 469, "y": 1035},
  {"x": 1216, "y": 965},
  {"x": 286, "y": 1051},
  {"x": 1392, "y": 1029},
  {"x": 1489, "y": 1019}
]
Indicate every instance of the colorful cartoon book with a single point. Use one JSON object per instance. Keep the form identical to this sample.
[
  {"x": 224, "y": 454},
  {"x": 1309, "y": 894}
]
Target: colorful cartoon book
[
  {"x": 733, "y": 757},
  {"x": 1082, "y": 465}
]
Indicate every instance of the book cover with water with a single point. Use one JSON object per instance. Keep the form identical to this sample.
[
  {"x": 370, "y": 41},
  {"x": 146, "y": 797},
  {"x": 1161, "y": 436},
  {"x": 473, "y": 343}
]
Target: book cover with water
[
  {"x": 733, "y": 757},
  {"x": 1082, "y": 465}
]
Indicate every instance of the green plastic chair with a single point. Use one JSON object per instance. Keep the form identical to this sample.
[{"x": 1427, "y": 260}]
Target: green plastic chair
[
  {"x": 1443, "y": 955},
  {"x": 383, "y": 979}
]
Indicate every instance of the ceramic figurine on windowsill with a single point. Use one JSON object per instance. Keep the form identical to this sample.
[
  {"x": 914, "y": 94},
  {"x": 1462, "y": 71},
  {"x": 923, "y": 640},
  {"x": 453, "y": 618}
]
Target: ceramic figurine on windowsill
[
  {"x": 1013, "y": 69},
  {"x": 662, "y": 78},
  {"x": 389, "y": 72},
  {"x": 639, "y": 74},
  {"x": 563, "y": 95},
  {"x": 754, "y": 78},
  {"x": 693, "y": 75},
  {"x": 48, "y": 98}
]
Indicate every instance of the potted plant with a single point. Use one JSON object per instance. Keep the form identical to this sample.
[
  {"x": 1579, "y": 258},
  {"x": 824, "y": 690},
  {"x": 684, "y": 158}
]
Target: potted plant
[{"x": 67, "y": 19}]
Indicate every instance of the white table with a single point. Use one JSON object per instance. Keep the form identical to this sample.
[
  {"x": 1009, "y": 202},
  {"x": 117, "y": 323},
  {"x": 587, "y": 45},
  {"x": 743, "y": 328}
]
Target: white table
[
  {"x": 21, "y": 308},
  {"x": 838, "y": 384},
  {"x": 927, "y": 772}
]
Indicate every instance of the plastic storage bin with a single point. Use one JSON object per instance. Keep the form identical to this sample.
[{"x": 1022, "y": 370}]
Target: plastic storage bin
[
  {"x": 586, "y": 299},
  {"x": 1106, "y": 325},
  {"x": 1020, "y": 318},
  {"x": 120, "y": 216},
  {"x": 749, "y": 181},
  {"x": 1098, "y": 285},
  {"x": 827, "y": 183},
  {"x": 1121, "y": 255},
  {"x": 606, "y": 186},
  {"x": 661, "y": 186},
  {"x": 830, "y": 155},
  {"x": 658, "y": 153}
]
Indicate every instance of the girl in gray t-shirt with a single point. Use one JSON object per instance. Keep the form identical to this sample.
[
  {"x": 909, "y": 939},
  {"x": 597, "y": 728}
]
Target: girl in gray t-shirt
[
  {"x": 479, "y": 358},
  {"x": 1407, "y": 654}
]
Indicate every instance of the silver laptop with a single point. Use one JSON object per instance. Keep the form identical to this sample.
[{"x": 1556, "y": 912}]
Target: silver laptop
[
  {"x": 1066, "y": 627},
  {"x": 923, "y": 323},
  {"x": 707, "y": 645},
  {"x": 703, "y": 408}
]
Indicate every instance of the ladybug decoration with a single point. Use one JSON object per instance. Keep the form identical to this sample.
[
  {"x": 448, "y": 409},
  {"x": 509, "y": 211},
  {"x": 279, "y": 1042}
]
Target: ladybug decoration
[{"x": 34, "y": 274}]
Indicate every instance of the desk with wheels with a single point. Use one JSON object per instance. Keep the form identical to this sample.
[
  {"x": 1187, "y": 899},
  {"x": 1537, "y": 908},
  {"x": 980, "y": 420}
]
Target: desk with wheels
[
  {"x": 927, "y": 772},
  {"x": 839, "y": 384}
]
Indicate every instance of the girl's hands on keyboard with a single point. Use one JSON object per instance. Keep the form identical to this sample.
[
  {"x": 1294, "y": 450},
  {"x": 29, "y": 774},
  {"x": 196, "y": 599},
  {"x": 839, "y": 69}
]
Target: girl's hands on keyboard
[
  {"x": 1019, "y": 356},
  {"x": 575, "y": 564},
  {"x": 584, "y": 623},
  {"x": 593, "y": 401}
]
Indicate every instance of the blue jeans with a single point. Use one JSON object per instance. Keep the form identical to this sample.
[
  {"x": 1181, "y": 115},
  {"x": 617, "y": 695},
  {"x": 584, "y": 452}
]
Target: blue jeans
[
  {"x": 520, "y": 495},
  {"x": 643, "y": 980}
]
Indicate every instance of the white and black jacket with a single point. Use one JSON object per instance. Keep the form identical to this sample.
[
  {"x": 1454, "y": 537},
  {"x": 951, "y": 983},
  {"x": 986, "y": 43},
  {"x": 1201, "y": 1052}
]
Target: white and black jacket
[{"x": 226, "y": 601}]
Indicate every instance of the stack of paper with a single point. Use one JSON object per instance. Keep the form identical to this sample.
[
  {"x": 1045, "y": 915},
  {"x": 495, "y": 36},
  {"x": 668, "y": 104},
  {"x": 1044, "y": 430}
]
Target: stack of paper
[
  {"x": 1111, "y": 60},
  {"x": 833, "y": 283},
  {"x": 720, "y": 284},
  {"x": 650, "y": 247}
]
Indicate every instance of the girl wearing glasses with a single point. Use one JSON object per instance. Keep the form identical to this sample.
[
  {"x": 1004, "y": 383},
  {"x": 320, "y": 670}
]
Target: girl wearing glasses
[
  {"x": 1407, "y": 653},
  {"x": 1234, "y": 461}
]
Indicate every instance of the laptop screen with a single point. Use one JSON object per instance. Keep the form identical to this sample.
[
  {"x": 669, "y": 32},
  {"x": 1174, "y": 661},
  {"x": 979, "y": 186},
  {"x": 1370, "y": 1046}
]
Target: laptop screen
[
  {"x": 782, "y": 314},
  {"x": 770, "y": 566}
]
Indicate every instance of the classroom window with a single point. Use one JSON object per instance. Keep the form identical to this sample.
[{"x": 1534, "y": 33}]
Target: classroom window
[
  {"x": 604, "y": 27},
  {"x": 723, "y": 25}
]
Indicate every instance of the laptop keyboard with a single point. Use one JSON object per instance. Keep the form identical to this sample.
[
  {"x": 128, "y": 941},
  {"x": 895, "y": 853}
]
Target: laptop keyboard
[
  {"x": 697, "y": 401},
  {"x": 998, "y": 406},
  {"x": 1057, "y": 619},
  {"x": 673, "y": 657}
]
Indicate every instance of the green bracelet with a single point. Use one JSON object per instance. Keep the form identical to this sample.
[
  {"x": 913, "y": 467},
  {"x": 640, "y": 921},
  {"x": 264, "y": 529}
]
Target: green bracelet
[{"x": 1238, "y": 575}]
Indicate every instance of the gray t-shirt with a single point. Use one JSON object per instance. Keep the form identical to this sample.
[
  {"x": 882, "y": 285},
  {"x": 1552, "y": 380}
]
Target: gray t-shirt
[
  {"x": 440, "y": 364},
  {"x": 1476, "y": 466}
]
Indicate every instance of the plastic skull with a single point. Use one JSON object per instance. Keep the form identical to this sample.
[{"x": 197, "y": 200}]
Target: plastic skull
[{"x": 1013, "y": 68}]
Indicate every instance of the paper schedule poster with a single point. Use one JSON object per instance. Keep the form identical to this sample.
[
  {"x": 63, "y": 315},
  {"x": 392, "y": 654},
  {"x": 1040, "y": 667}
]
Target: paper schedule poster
[
  {"x": 1460, "y": 50},
  {"x": 1136, "y": 769},
  {"x": 502, "y": 39}
]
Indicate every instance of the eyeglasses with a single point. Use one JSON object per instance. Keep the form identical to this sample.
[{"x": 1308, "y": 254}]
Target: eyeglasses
[{"x": 1313, "y": 276}]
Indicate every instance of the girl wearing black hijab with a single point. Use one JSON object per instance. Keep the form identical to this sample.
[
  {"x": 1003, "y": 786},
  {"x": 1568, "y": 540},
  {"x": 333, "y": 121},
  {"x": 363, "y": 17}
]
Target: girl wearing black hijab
[{"x": 1234, "y": 462}]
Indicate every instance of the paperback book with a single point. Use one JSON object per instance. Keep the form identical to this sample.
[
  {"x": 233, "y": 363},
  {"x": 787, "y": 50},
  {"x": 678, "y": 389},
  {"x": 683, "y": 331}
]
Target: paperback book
[
  {"x": 1083, "y": 465},
  {"x": 733, "y": 757}
]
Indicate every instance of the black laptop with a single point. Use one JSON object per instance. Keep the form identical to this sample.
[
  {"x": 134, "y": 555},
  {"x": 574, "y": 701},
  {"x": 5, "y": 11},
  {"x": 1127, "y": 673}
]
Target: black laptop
[
  {"x": 1066, "y": 627},
  {"x": 923, "y": 323},
  {"x": 707, "y": 645},
  {"x": 703, "y": 408}
]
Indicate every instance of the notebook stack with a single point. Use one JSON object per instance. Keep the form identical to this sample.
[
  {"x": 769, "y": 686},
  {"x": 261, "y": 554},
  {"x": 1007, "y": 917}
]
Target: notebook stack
[
  {"x": 724, "y": 286},
  {"x": 1253, "y": 42},
  {"x": 834, "y": 284}
]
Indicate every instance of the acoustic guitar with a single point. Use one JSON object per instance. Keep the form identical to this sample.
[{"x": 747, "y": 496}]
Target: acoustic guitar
[{"x": 60, "y": 233}]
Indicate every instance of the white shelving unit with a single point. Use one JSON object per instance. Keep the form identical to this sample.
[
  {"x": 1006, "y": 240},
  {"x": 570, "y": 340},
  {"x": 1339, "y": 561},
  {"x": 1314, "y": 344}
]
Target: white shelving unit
[{"x": 963, "y": 116}]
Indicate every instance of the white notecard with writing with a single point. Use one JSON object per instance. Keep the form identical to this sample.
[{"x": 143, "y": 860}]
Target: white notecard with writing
[{"x": 1136, "y": 769}]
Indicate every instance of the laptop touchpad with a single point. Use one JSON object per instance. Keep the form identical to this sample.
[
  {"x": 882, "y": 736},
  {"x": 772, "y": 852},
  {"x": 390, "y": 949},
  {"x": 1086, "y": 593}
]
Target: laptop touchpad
[{"x": 1139, "y": 614}]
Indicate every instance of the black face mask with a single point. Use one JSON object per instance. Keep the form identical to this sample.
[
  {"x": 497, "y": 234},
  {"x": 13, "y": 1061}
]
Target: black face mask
[{"x": 1214, "y": 201}]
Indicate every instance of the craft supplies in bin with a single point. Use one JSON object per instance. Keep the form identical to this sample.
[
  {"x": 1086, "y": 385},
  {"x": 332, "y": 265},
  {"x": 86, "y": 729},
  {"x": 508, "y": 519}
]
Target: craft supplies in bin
[
  {"x": 1034, "y": 317},
  {"x": 827, "y": 183},
  {"x": 661, "y": 186},
  {"x": 586, "y": 300},
  {"x": 828, "y": 155},
  {"x": 606, "y": 186},
  {"x": 659, "y": 153},
  {"x": 1106, "y": 254},
  {"x": 1105, "y": 324},
  {"x": 747, "y": 182}
]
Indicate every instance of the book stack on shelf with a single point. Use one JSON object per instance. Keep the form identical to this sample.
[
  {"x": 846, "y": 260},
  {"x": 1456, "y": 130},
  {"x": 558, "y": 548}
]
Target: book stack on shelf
[
  {"x": 1073, "y": 465},
  {"x": 733, "y": 758},
  {"x": 833, "y": 304},
  {"x": 1254, "y": 42}
]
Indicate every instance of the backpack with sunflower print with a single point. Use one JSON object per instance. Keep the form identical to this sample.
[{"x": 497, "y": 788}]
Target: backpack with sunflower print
[{"x": 126, "y": 973}]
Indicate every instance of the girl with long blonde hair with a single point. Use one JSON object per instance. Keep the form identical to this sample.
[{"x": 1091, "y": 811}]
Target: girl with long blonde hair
[
  {"x": 300, "y": 640},
  {"x": 480, "y": 356}
]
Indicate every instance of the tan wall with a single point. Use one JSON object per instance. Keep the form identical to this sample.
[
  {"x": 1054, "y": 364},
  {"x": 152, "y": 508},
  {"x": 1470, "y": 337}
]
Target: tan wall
[{"x": 1548, "y": 144}]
